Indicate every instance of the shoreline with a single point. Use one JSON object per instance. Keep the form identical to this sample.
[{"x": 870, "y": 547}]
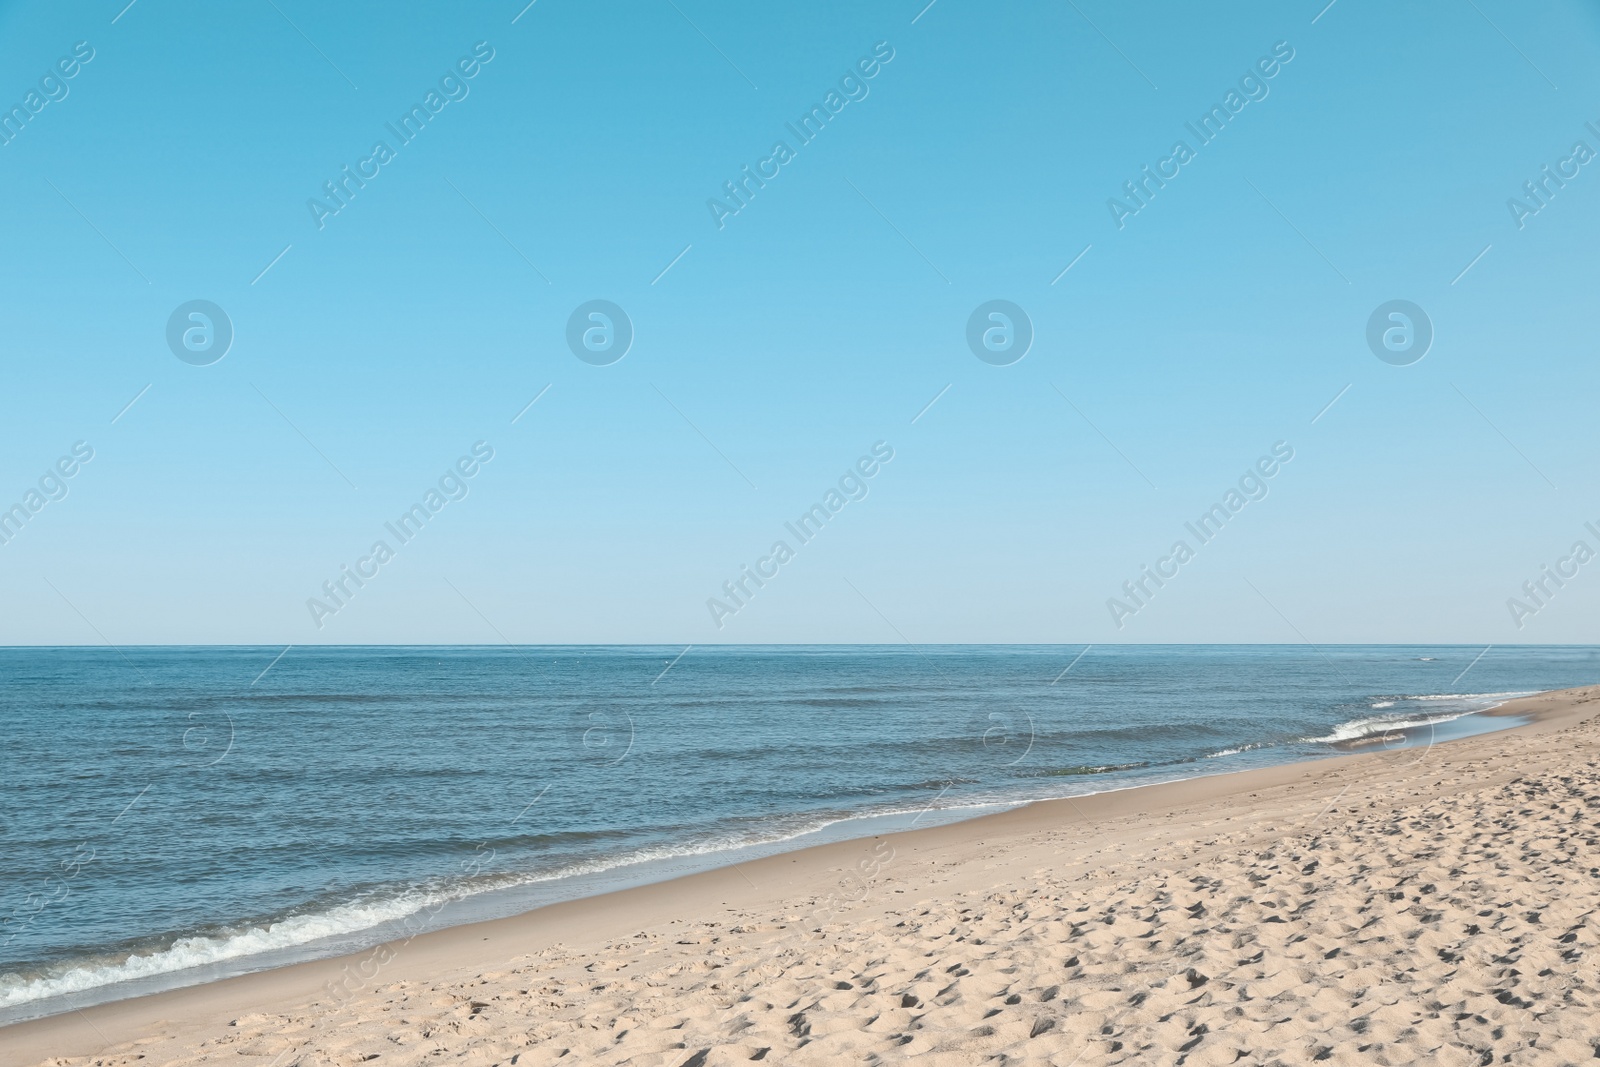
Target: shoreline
[
  {"x": 817, "y": 883},
  {"x": 524, "y": 895}
]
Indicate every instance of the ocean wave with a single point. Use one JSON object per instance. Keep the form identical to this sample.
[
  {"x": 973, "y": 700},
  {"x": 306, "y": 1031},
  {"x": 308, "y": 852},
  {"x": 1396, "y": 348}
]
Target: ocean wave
[
  {"x": 293, "y": 931},
  {"x": 1378, "y": 725},
  {"x": 1073, "y": 771},
  {"x": 1238, "y": 749},
  {"x": 1413, "y": 718},
  {"x": 201, "y": 949},
  {"x": 1389, "y": 702},
  {"x": 1473, "y": 696}
]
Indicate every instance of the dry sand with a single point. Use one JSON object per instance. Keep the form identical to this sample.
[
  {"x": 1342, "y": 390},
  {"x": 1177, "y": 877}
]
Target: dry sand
[{"x": 1436, "y": 905}]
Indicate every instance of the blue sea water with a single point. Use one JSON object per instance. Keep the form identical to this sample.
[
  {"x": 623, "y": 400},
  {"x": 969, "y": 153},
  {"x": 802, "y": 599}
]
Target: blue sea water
[{"x": 170, "y": 815}]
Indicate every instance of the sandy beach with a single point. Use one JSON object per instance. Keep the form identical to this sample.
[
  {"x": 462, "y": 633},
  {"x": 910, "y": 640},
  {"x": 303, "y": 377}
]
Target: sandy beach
[{"x": 1427, "y": 904}]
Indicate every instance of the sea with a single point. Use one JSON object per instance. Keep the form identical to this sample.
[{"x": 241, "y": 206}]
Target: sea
[{"x": 170, "y": 816}]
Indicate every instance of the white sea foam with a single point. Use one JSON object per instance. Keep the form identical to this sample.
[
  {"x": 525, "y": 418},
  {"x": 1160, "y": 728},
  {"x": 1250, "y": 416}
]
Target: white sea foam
[
  {"x": 199, "y": 951},
  {"x": 294, "y": 931},
  {"x": 297, "y": 930},
  {"x": 1241, "y": 748},
  {"x": 1375, "y": 725},
  {"x": 1358, "y": 729}
]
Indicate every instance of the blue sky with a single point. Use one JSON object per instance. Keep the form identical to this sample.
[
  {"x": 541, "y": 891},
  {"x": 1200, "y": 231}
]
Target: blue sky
[{"x": 771, "y": 353}]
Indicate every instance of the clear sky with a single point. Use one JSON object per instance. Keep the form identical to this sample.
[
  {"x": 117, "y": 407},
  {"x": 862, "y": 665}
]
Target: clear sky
[{"x": 1198, "y": 326}]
